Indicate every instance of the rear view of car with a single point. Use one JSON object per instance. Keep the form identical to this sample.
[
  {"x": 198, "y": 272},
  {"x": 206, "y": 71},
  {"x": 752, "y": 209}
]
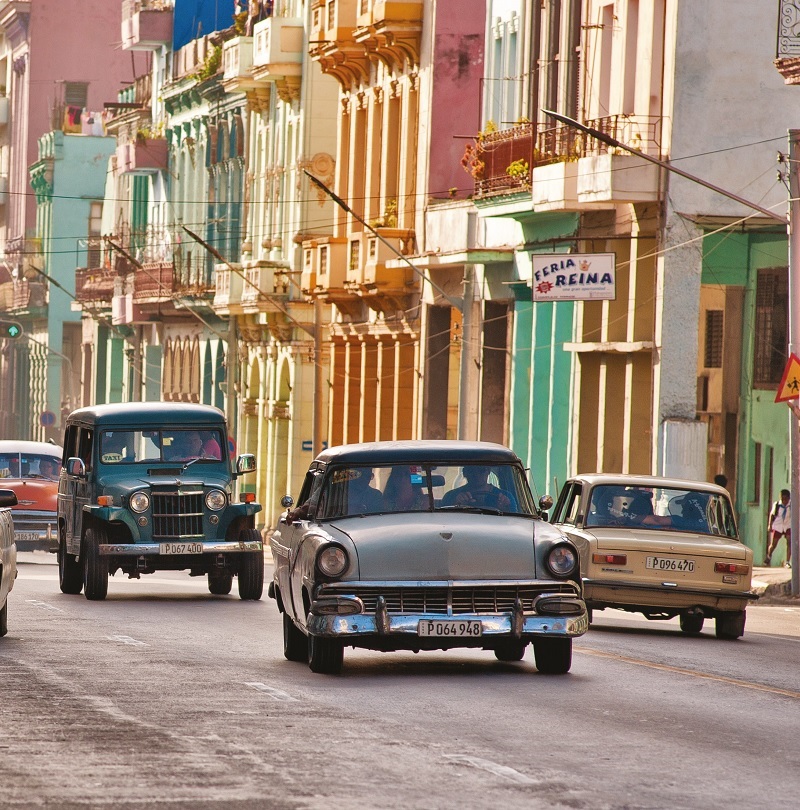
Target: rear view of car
[{"x": 31, "y": 470}]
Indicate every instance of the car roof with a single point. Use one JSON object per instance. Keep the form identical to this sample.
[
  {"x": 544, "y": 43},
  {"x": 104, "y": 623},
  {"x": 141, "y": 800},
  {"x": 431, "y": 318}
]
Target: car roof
[
  {"x": 441, "y": 451},
  {"x": 593, "y": 479},
  {"x": 41, "y": 448},
  {"x": 135, "y": 414}
]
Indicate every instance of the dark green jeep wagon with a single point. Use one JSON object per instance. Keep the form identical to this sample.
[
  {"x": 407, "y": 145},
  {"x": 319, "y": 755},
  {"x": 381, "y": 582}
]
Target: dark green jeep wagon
[{"x": 149, "y": 486}]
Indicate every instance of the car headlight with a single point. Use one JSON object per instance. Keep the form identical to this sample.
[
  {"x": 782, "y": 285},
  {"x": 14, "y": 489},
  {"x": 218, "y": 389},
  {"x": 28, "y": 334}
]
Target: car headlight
[
  {"x": 216, "y": 500},
  {"x": 332, "y": 560},
  {"x": 562, "y": 561},
  {"x": 140, "y": 501}
]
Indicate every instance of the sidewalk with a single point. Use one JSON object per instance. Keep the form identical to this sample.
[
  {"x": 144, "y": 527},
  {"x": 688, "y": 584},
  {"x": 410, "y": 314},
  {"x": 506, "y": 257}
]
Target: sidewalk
[{"x": 774, "y": 585}]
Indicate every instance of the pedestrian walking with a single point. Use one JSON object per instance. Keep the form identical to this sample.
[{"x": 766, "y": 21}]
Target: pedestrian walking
[{"x": 780, "y": 525}]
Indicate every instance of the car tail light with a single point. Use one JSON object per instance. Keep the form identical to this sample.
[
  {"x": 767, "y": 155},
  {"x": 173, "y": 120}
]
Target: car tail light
[
  {"x": 730, "y": 568},
  {"x": 247, "y": 497},
  {"x": 610, "y": 559}
]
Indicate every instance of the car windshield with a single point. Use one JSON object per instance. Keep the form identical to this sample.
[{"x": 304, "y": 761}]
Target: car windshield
[
  {"x": 136, "y": 446},
  {"x": 488, "y": 488},
  {"x": 688, "y": 510},
  {"x": 29, "y": 465}
]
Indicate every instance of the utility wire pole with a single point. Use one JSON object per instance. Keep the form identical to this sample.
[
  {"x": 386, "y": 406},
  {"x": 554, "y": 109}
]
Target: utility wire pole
[{"x": 794, "y": 341}]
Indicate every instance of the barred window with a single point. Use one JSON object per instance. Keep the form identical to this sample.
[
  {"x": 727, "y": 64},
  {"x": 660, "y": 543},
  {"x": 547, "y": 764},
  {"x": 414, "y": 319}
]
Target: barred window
[
  {"x": 714, "y": 335},
  {"x": 771, "y": 327}
]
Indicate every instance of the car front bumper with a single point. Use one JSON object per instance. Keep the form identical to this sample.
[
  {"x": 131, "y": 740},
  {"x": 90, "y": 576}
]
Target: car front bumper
[
  {"x": 154, "y": 549},
  {"x": 35, "y": 531}
]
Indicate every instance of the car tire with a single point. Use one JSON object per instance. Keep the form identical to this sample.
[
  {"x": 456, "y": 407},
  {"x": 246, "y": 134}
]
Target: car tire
[
  {"x": 325, "y": 655},
  {"x": 692, "y": 623},
  {"x": 295, "y": 646},
  {"x": 553, "y": 656},
  {"x": 510, "y": 650},
  {"x": 95, "y": 567},
  {"x": 4, "y": 619},
  {"x": 220, "y": 582},
  {"x": 730, "y": 625},
  {"x": 70, "y": 572},
  {"x": 251, "y": 567}
]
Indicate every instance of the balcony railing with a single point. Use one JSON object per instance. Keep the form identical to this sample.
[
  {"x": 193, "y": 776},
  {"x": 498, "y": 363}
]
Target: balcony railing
[
  {"x": 94, "y": 284},
  {"x": 28, "y": 295},
  {"x": 501, "y": 162},
  {"x": 146, "y": 24},
  {"x": 154, "y": 281}
]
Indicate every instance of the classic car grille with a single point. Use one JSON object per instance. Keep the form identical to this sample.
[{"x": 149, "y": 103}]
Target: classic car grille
[
  {"x": 482, "y": 599},
  {"x": 177, "y": 515},
  {"x": 34, "y": 521}
]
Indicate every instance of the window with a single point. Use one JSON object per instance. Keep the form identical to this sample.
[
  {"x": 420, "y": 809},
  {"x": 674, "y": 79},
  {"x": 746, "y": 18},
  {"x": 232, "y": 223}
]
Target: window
[
  {"x": 714, "y": 336},
  {"x": 771, "y": 327},
  {"x": 757, "y": 474},
  {"x": 93, "y": 256},
  {"x": 75, "y": 94}
]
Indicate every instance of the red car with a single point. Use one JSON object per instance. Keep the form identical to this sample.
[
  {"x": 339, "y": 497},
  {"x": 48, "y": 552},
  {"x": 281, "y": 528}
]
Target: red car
[{"x": 31, "y": 470}]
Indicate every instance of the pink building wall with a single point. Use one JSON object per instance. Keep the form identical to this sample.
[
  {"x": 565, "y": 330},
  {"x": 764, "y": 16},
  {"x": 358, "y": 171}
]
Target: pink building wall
[
  {"x": 78, "y": 41},
  {"x": 458, "y": 61}
]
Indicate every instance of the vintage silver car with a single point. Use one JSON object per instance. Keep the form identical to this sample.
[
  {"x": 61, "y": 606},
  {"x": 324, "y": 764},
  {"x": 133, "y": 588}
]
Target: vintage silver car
[
  {"x": 423, "y": 545},
  {"x": 662, "y": 547},
  {"x": 8, "y": 554}
]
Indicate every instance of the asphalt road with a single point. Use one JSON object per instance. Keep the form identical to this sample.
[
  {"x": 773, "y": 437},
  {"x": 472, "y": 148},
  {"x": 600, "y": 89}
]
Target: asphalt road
[{"x": 165, "y": 696}]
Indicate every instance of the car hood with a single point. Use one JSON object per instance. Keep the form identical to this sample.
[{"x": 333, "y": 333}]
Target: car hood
[
  {"x": 427, "y": 546},
  {"x": 117, "y": 485},
  {"x": 668, "y": 542},
  {"x": 33, "y": 494}
]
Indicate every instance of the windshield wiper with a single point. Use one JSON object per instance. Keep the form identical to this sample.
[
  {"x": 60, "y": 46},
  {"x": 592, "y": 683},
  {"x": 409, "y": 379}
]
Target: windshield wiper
[{"x": 466, "y": 507}]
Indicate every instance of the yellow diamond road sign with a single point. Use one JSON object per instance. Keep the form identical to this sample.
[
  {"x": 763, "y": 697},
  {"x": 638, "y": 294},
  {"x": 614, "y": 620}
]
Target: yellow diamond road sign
[{"x": 790, "y": 383}]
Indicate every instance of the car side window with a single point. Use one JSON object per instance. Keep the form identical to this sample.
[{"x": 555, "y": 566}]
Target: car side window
[
  {"x": 85, "y": 438},
  {"x": 572, "y": 505}
]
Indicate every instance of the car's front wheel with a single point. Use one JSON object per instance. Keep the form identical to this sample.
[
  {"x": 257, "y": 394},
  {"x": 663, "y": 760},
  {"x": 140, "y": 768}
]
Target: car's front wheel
[
  {"x": 4, "y": 619},
  {"x": 730, "y": 625},
  {"x": 295, "y": 646},
  {"x": 251, "y": 567},
  {"x": 95, "y": 567},
  {"x": 70, "y": 573},
  {"x": 510, "y": 650},
  {"x": 220, "y": 582},
  {"x": 553, "y": 656},
  {"x": 692, "y": 623},
  {"x": 325, "y": 655}
]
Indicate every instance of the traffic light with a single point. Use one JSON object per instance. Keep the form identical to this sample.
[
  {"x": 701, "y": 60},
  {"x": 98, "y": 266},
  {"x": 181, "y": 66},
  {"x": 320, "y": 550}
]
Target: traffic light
[{"x": 10, "y": 329}]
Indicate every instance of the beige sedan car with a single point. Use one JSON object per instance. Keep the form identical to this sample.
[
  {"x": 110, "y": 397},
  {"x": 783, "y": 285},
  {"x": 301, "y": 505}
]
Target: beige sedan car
[{"x": 662, "y": 547}]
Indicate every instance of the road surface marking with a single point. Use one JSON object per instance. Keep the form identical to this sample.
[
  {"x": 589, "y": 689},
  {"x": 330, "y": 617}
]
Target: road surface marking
[
  {"x": 45, "y": 605},
  {"x": 275, "y": 694},
  {"x": 128, "y": 640},
  {"x": 492, "y": 767},
  {"x": 758, "y": 687}
]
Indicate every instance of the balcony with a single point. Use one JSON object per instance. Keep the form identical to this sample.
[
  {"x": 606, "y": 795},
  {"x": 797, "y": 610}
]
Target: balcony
[
  {"x": 387, "y": 288},
  {"x": 154, "y": 283},
  {"x": 191, "y": 58},
  {"x": 264, "y": 281},
  {"x": 331, "y": 41},
  {"x": 146, "y": 24},
  {"x": 237, "y": 63},
  {"x": 331, "y": 273},
  {"x": 6, "y": 296},
  {"x": 142, "y": 156},
  {"x": 228, "y": 289},
  {"x": 308, "y": 276},
  {"x": 28, "y": 296},
  {"x": 390, "y": 31},
  {"x": 278, "y": 54},
  {"x": 94, "y": 284}
]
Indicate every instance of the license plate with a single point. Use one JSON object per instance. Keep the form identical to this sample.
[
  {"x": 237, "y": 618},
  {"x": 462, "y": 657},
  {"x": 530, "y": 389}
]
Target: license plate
[
  {"x": 26, "y": 537},
  {"x": 669, "y": 564},
  {"x": 180, "y": 548},
  {"x": 435, "y": 627}
]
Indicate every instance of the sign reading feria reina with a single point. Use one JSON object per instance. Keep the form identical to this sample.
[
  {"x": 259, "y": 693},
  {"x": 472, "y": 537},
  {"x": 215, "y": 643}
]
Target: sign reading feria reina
[{"x": 573, "y": 276}]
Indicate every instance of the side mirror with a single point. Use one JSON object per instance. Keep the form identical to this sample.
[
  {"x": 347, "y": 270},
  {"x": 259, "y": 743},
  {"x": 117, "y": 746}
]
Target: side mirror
[
  {"x": 8, "y": 498},
  {"x": 246, "y": 463},
  {"x": 76, "y": 467},
  {"x": 287, "y": 501},
  {"x": 545, "y": 502}
]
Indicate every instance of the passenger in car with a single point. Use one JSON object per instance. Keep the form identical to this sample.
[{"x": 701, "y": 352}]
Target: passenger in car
[
  {"x": 400, "y": 494},
  {"x": 640, "y": 512}
]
